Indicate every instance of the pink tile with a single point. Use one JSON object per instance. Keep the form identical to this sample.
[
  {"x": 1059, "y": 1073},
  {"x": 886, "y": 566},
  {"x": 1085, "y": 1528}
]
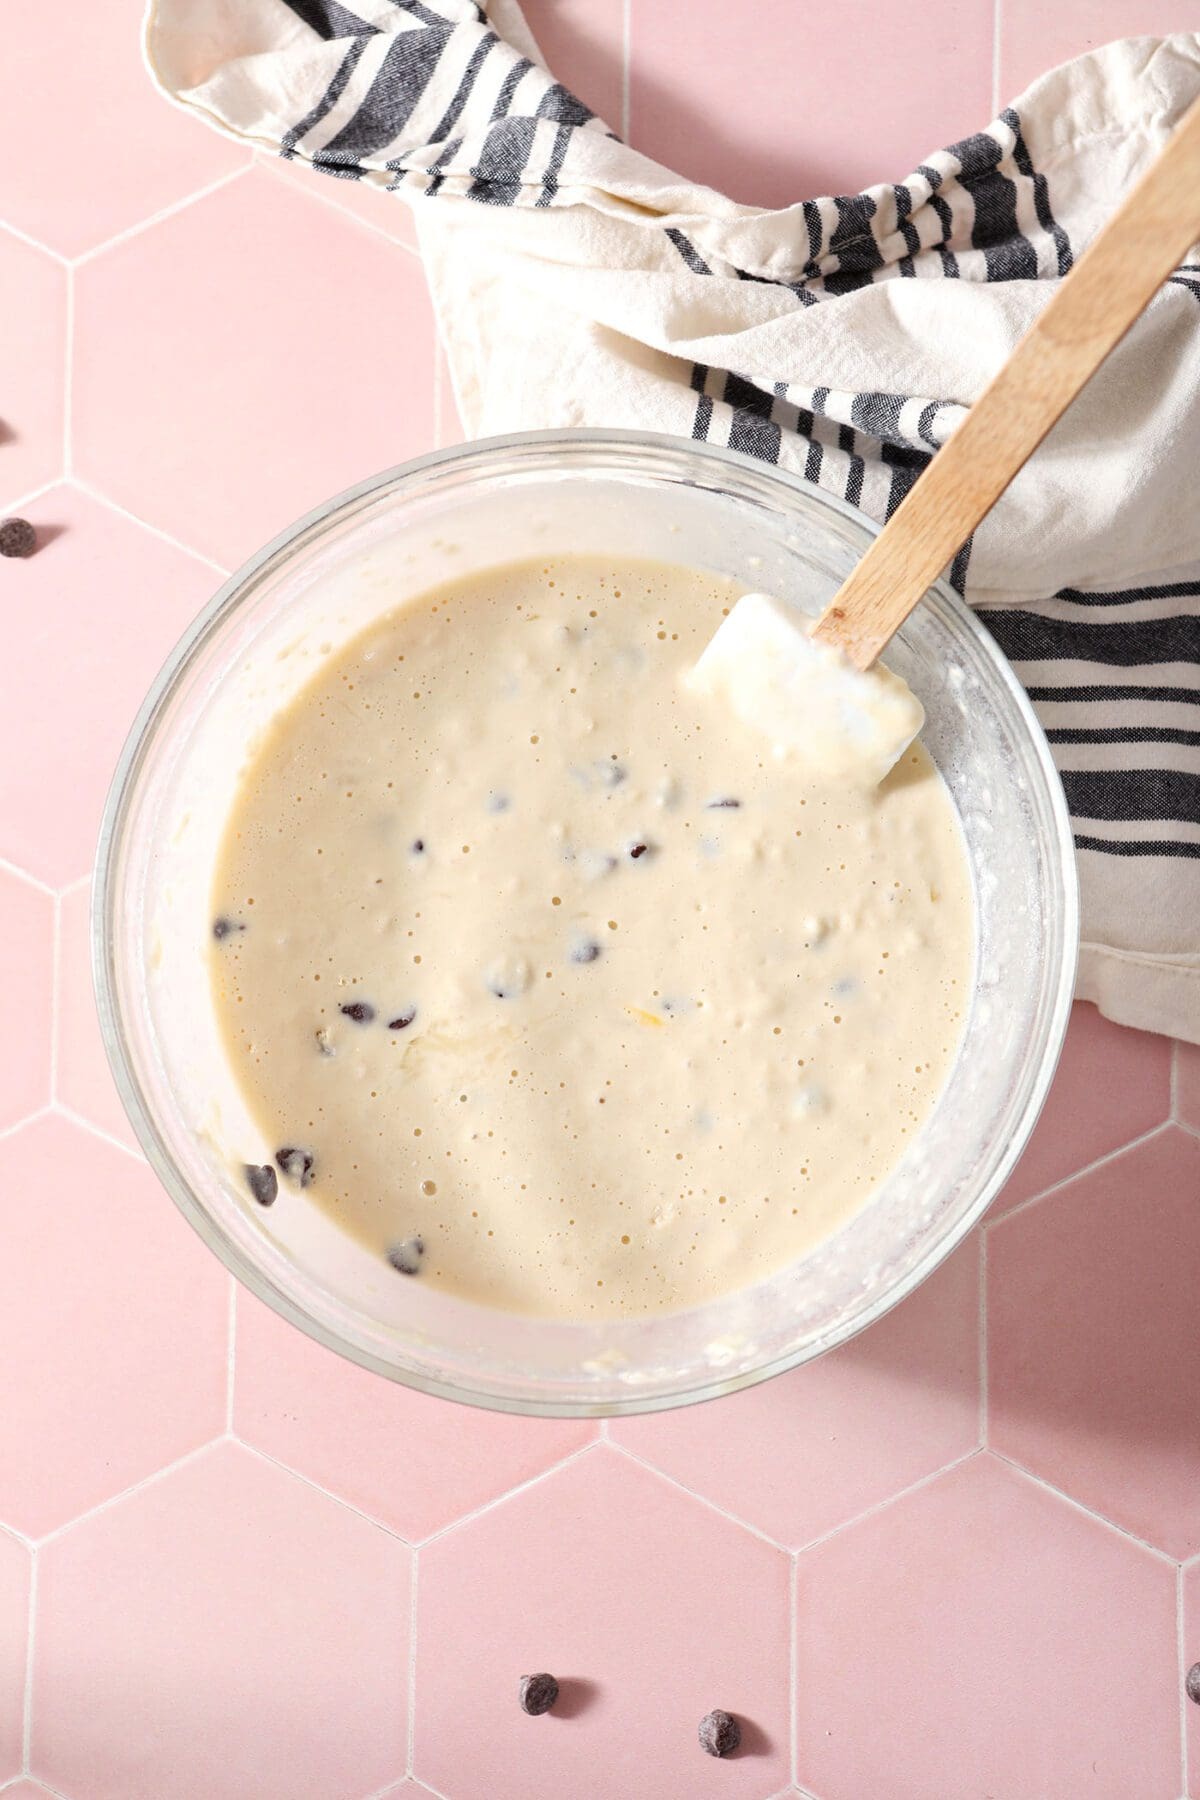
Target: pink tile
[
  {"x": 27, "y": 1790},
  {"x": 1187, "y": 1084},
  {"x": 1111, "y": 1086},
  {"x": 299, "y": 350},
  {"x": 1034, "y": 37},
  {"x": 101, "y": 593},
  {"x": 806, "y": 1452},
  {"x": 981, "y": 1637},
  {"x": 1191, "y": 1655},
  {"x": 796, "y": 101},
  {"x": 33, "y": 357},
  {"x": 115, "y": 1316},
  {"x": 85, "y": 1083},
  {"x": 581, "y": 42},
  {"x": 359, "y": 200},
  {"x": 412, "y": 1462},
  {"x": 649, "y": 1608},
  {"x": 81, "y": 78},
  {"x": 1093, "y": 1332},
  {"x": 224, "y": 1632},
  {"x": 14, "y": 1639},
  {"x": 27, "y": 984}
]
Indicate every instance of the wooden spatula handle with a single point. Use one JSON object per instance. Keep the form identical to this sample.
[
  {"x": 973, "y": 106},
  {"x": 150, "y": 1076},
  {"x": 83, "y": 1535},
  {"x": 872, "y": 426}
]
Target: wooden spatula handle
[{"x": 1146, "y": 238}]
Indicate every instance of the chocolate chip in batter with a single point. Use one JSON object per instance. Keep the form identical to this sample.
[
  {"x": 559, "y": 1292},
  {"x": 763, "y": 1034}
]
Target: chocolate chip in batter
[
  {"x": 296, "y": 1164},
  {"x": 1192, "y": 1683},
  {"x": 722, "y": 800},
  {"x": 223, "y": 926},
  {"x": 324, "y": 1041},
  {"x": 262, "y": 1181},
  {"x": 418, "y": 846},
  {"x": 720, "y": 1733},
  {"x": 406, "y": 1257},
  {"x": 361, "y": 1011},
  {"x": 639, "y": 849},
  {"x": 403, "y": 1020},
  {"x": 537, "y": 1693},
  {"x": 17, "y": 538},
  {"x": 584, "y": 950}
]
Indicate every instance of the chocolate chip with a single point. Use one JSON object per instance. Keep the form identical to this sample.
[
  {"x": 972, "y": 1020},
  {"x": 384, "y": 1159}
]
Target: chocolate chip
[
  {"x": 418, "y": 846},
  {"x": 296, "y": 1164},
  {"x": 403, "y": 1020},
  {"x": 585, "y": 951},
  {"x": 720, "y": 1733},
  {"x": 406, "y": 1257},
  {"x": 636, "y": 850},
  {"x": 713, "y": 805},
  {"x": 361, "y": 1011},
  {"x": 262, "y": 1181},
  {"x": 17, "y": 538},
  {"x": 223, "y": 926},
  {"x": 324, "y": 1042},
  {"x": 537, "y": 1693},
  {"x": 1192, "y": 1683}
]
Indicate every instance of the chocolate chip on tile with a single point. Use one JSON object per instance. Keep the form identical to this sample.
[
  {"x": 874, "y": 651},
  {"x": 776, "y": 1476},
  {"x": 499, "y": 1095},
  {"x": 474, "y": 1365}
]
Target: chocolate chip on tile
[
  {"x": 537, "y": 1693},
  {"x": 406, "y": 1257},
  {"x": 296, "y": 1164},
  {"x": 222, "y": 927},
  {"x": 403, "y": 1020},
  {"x": 17, "y": 538},
  {"x": 723, "y": 800},
  {"x": 720, "y": 1733},
  {"x": 361, "y": 1011},
  {"x": 585, "y": 950},
  {"x": 262, "y": 1181},
  {"x": 1192, "y": 1683}
]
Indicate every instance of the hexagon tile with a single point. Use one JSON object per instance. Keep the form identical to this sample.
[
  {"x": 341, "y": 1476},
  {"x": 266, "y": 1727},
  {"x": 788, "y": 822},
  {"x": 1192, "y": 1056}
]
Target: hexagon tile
[
  {"x": 1093, "y": 1330},
  {"x": 14, "y": 1639},
  {"x": 982, "y": 1637},
  {"x": 1187, "y": 1084},
  {"x": 811, "y": 1449},
  {"x": 1191, "y": 1658},
  {"x": 127, "y": 1311},
  {"x": 85, "y": 1083},
  {"x": 33, "y": 360},
  {"x": 27, "y": 984},
  {"x": 412, "y": 1462},
  {"x": 224, "y": 1632}
]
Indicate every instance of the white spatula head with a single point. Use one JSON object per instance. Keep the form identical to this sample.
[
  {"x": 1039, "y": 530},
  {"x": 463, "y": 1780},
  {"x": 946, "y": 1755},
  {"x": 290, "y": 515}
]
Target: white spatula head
[{"x": 805, "y": 697}]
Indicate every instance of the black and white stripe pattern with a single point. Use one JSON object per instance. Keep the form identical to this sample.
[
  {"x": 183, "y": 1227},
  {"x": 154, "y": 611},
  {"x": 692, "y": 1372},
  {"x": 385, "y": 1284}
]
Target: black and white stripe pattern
[{"x": 425, "y": 96}]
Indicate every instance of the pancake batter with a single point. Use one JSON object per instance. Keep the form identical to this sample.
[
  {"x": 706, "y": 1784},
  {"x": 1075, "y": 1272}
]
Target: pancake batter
[{"x": 548, "y": 981}]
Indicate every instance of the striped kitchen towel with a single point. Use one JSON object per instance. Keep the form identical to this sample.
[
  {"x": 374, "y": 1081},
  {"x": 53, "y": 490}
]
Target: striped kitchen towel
[{"x": 577, "y": 282}]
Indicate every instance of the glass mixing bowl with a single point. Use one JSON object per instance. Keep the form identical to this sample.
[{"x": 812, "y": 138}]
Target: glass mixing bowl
[{"x": 622, "y": 494}]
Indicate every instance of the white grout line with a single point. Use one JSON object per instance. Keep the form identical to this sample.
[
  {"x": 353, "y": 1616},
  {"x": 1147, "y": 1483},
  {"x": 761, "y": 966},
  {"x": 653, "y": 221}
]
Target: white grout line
[
  {"x": 983, "y": 1341},
  {"x": 16, "y": 506},
  {"x": 1089, "y": 1512},
  {"x": 69, "y": 376},
  {"x": 522, "y": 1487},
  {"x": 64, "y": 893},
  {"x": 914, "y": 1487},
  {"x": 1184, "y": 1702},
  {"x": 1091, "y": 1168},
  {"x": 997, "y": 7},
  {"x": 30, "y": 1645},
  {"x": 793, "y": 1670},
  {"x": 103, "y": 499},
  {"x": 230, "y": 1353},
  {"x": 603, "y": 1433},
  {"x": 340, "y": 1500},
  {"x": 319, "y": 185},
  {"x": 55, "y": 996},
  {"x": 97, "y": 1131},
  {"x": 136, "y": 1487},
  {"x": 412, "y": 1662},
  {"x": 1175, "y": 1050},
  {"x": 166, "y": 212},
  {"x": 10, "y": 868},
  {"x": 626, "y": 63},
  {"x": 42, "y": 1112},
  {"x": 35, "y": 243},
  {"x": 712, "y": 1505},
  {"x": 1192, "y": 1130}
]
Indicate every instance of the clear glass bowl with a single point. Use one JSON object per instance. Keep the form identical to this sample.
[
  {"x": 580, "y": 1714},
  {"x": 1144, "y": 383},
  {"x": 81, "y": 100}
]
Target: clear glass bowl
[{"x": 262, "y": 637}]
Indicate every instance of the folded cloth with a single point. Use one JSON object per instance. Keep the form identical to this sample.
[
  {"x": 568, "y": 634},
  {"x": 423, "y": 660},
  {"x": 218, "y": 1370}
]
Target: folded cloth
[{"x": 579, "y": 283}]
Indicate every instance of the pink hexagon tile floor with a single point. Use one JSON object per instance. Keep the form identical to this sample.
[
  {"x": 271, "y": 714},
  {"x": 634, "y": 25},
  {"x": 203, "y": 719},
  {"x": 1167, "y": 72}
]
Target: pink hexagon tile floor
[{"x": 243, "y": 1558}]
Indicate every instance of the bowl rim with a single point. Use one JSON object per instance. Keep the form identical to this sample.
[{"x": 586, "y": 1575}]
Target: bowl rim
[{"x": 118, "y": 802}]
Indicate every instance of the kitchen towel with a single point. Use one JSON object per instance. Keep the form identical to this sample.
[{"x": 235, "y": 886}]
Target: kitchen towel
[{"x": 579, "y": 283}]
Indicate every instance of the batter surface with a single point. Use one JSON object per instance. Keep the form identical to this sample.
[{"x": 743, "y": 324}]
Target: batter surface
[{"x": 548, "y": 982}]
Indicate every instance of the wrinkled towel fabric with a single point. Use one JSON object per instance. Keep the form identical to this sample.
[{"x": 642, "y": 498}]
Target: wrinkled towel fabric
[{"x": 579, "y": 283}]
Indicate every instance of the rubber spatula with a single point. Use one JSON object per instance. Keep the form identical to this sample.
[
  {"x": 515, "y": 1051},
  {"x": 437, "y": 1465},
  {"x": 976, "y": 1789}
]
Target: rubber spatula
[{"x": 817, "y": 691}]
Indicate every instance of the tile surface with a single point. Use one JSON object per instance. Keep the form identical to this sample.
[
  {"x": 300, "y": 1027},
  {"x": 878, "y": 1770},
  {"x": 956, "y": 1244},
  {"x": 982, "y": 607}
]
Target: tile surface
[{"x": 197, "y": 346}]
